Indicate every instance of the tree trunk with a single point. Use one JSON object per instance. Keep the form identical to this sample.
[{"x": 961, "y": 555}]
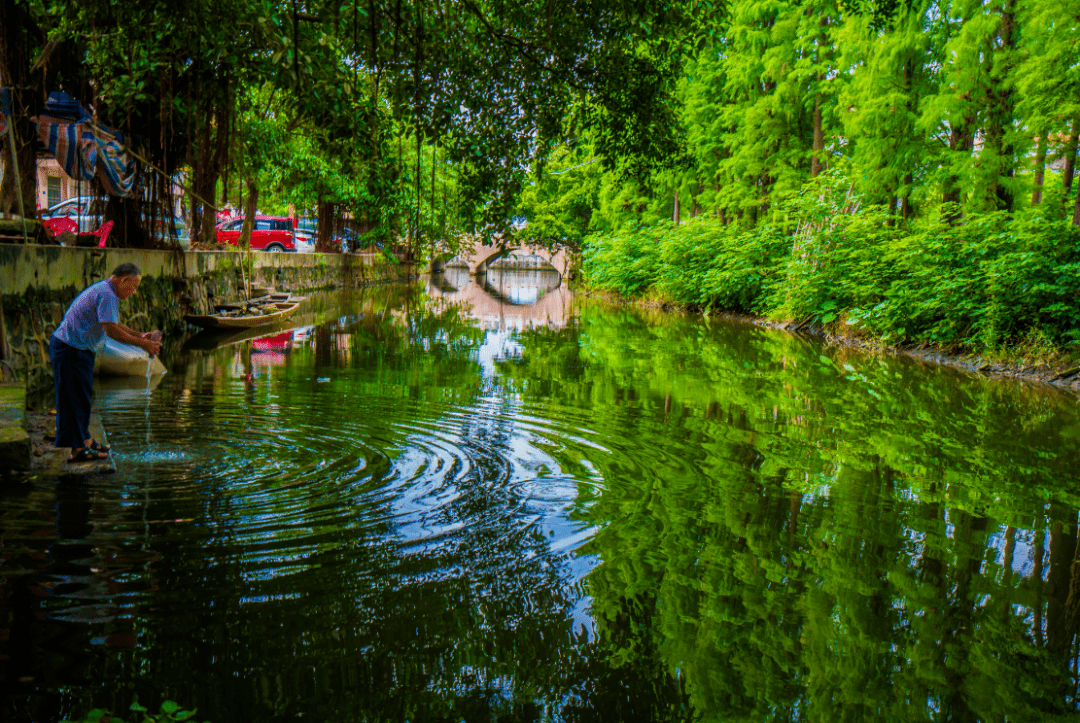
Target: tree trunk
[
  {"x": 1037, "y": 582},
  {"x": 211, "y": 147},
  {"x": 816, "y": 164},
  {"x": 1076, "y": 208},
  {"x": 1062, "y": 552},
  {"x": 26, "y": 182},
  {"x": 765, "y": 184},
  {"x": 960, "y": 141},
  {"x": 16, "y": 55},
  {"x": 251, "y": 205},
  {"x": 905, "y": 201},
  {"x": 1006, "y": 586},
  {"x": 325, "y": 212},
  {"x": 125, "y": 213},
  {"x": 1002, "y": 116},
  {"x": 817, "y": 161},
  {"x": 1070, "y": 157},
  {"x": 203, "y": 181},
  {"x": 675, "y": 210},
  {"x": 1040, "y": 171}
]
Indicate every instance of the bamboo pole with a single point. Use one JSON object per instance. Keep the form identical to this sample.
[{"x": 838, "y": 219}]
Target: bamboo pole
[{"x": 18, "y": 179}]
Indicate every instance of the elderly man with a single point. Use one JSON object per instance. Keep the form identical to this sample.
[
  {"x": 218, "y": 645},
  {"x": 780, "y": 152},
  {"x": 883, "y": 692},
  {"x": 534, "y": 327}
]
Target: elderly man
[{"x": 94, "y": 313}]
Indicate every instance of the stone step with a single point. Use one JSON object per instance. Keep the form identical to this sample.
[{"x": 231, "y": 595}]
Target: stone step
[
  {"x": 58, "y": 465},
  {"x": 16, "y": 451}
]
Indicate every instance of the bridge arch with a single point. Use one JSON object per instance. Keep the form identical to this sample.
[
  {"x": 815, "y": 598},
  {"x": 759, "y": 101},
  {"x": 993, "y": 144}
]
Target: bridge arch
[{"x": 482, "y": 255}]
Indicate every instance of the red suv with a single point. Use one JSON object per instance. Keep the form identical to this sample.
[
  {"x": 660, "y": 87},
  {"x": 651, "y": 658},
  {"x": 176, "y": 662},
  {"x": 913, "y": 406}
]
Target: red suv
[{"x": 271, "y": 233}]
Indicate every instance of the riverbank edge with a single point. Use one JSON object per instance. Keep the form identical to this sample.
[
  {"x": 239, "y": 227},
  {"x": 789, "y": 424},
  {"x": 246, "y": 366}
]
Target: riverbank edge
[{"x": 1064, "y": 376}]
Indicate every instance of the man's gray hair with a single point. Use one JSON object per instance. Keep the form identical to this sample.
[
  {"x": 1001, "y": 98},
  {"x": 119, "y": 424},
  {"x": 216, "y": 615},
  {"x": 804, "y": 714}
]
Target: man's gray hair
[{"x": 126, "y": 269}]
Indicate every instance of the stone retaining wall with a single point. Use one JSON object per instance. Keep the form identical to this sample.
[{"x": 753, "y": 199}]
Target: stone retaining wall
[{"x": 37, "y": 283}]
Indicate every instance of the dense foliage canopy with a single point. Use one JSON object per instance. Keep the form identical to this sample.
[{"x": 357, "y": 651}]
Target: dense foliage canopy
[
  {"x": 931, "y": 102},
  {"x": 414, "y": 115}
]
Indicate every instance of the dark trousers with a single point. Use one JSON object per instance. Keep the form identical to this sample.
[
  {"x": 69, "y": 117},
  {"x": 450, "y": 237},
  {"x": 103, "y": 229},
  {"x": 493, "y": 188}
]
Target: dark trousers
[{"x": 73, "y": 383}]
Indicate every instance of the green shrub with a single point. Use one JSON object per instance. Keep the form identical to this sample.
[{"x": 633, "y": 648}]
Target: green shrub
[
  {"x": 985, "y": 283},
  {"x": 626, "y": 261}
]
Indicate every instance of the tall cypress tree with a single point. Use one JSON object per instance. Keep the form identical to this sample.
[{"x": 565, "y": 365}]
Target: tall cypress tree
[
  {"x": 891, "y": 73},
  {"x": 1048, "y": 82}
]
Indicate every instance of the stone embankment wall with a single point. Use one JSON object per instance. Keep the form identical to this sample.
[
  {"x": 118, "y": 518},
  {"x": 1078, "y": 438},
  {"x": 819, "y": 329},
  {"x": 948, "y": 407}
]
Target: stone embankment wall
[{"x": 37, "y": 283}]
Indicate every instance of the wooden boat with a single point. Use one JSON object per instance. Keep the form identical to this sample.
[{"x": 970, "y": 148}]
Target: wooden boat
[
  {"x": 258, "y": 301},
  {"x": 246, "y": 316}
]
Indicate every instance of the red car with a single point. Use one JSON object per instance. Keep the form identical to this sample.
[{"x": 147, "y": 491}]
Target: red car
[{"x": 271, "y": 233}]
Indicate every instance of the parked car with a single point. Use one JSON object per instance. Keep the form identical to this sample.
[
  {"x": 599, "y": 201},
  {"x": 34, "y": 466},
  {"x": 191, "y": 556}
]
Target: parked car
[
  {"x": 70, "y": 214},
  {"x": 352, "y": 241},
  {"x": 304, "y": 244},
  {"x": 177, "y": 230},
  {"x": 271, "y": 233},
  {"x": 306, "y": 231},
  {"x": 74, "y": 215}
]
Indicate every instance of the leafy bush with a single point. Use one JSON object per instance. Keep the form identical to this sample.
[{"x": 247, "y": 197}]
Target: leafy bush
[
  {"x": 626, "y": 261},
  {"x": 986, "y": 283}
]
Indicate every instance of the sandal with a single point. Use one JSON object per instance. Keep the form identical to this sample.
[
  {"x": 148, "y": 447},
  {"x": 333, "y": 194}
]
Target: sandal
[
  {"x": 87, "y": 455},
  {"x": 99, "y": 447}
]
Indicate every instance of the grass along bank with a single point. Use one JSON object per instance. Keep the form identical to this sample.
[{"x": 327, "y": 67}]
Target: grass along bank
[{"x": 999, "y": 293}]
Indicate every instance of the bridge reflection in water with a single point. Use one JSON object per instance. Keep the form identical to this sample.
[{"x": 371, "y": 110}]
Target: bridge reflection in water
[{"x": 510, "y": 299}]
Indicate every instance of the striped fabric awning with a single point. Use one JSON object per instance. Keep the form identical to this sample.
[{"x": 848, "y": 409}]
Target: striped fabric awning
[
  {"x": 84, "y": 148},
  {"x": 70, "y": 143},
  {"x": 116, "y": 167}
]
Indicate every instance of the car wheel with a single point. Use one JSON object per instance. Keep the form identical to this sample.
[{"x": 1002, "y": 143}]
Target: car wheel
[{"x": 276, "y": 248}]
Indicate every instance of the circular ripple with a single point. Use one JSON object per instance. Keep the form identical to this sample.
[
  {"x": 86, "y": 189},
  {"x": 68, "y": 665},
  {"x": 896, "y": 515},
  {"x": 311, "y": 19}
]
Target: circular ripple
[{"x": 294, "y": 483}]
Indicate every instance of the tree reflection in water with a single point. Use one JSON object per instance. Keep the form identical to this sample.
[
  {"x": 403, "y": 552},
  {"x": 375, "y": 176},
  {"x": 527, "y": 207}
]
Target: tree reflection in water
[{"x": 426, "y": 509}]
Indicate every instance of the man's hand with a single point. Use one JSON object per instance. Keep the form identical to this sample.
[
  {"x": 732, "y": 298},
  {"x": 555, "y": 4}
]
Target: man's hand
[
  {"x": 147, "y": 342},
  {"x": 154, "y": 337},
  {"x": 152, "y": 347}
]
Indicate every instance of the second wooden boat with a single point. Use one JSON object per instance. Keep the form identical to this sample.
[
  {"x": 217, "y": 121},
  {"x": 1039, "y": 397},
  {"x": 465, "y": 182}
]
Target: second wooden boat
[{"x": 245, "y": 317}]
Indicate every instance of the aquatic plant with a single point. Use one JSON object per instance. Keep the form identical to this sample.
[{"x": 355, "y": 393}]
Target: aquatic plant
[{"x": 170, "y": 713}]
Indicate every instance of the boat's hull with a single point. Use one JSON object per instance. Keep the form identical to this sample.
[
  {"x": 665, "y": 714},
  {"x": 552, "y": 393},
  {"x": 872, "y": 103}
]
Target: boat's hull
[{"x": 220, "y": 321}]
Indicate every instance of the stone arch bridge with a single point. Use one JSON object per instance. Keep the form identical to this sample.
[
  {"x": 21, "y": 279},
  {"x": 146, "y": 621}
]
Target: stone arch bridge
[{"x": 483, "y": 255}]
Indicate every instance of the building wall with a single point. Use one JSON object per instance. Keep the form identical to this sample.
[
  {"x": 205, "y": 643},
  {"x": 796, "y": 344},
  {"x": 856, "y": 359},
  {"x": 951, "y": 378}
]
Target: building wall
[{"x": 48, "y": 168}]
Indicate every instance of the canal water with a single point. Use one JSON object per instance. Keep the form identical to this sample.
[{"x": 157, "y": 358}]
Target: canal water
[{"x": 465, "y": 501}]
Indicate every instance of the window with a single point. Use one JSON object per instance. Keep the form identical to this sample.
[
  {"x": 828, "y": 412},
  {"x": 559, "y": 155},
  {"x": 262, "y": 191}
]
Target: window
[
  {"x": 280, "y": 225},
  {"x": 261, "y": 225},
  {"x": 54, "y": 190}
]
